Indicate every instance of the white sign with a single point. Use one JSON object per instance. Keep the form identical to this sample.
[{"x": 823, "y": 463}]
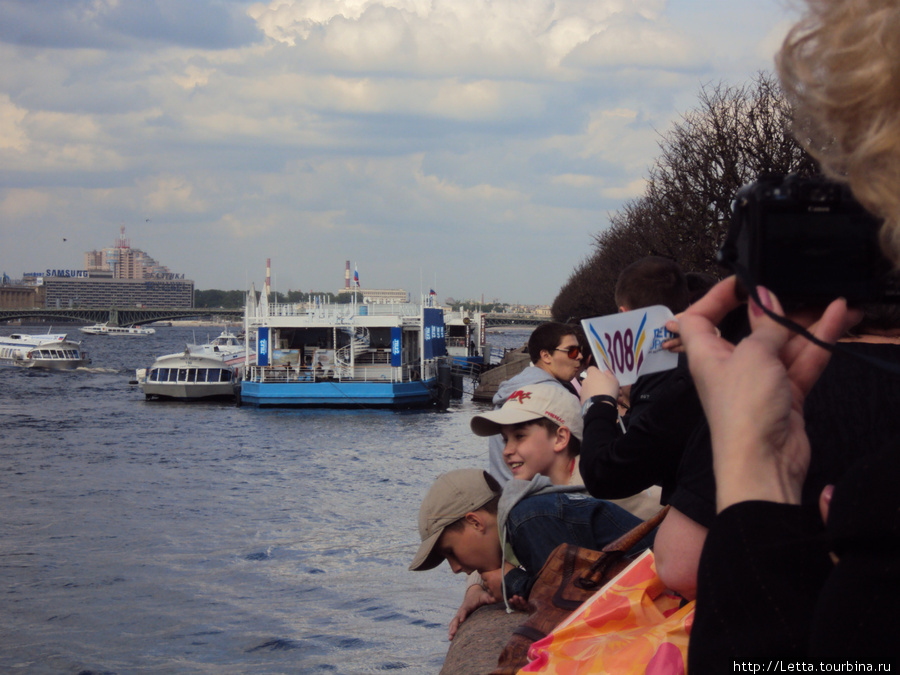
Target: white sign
[{"x": 630, "y": 343}]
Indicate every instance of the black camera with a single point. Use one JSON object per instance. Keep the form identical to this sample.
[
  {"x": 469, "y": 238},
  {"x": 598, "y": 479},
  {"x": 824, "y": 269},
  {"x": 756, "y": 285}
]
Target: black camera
[{"x": 808, "y": 241}]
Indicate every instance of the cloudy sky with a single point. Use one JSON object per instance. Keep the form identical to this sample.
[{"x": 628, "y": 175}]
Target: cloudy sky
[{"x": 473, "y": 146}]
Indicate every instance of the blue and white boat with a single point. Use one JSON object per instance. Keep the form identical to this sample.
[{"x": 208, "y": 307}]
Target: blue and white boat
[
  {"x": 201, "y": 371},
  {"x": 364, "y": 354},
  {"x": 49, "y": 351}
]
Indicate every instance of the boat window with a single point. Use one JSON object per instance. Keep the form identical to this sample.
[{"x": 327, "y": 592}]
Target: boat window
[
  {"x": 191, "y": 374},
  {"x": 226, "y": 376},
  {"x": 182, "y": 374},
  {"x": 45, "y": 354},
  {"x": 173, "y": 375}
]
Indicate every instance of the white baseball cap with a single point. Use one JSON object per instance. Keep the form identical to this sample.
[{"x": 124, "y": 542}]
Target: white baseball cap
[{"x": 532, "y": 402}]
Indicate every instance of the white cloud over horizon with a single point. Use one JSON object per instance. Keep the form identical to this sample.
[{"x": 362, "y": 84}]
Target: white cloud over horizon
[{"x": 473, "y": 145}]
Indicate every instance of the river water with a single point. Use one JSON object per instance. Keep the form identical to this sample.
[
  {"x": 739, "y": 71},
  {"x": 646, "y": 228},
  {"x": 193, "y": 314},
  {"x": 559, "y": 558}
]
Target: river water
[{"x": 163, "y": 537}]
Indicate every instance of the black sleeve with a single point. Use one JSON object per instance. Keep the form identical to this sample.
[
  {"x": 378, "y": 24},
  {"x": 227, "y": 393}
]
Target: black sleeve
[
  {"x": 517, "y": 582},
  {"x": 616, "y": 465},
  {"x": 695, "y": 489},
  {"x": 761, "y": 572}
]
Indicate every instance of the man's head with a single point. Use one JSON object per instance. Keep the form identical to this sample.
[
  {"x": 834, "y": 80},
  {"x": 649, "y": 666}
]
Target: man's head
[
  {"x": 555, "y": 347},
  {"x": 542, "y": 429},
  {"x": 458, "y": 523},
  {"x": 652, "y": 281}
]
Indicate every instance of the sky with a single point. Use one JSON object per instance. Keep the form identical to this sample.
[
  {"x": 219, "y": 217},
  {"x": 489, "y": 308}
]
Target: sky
[{"x": 473, "y": 147}]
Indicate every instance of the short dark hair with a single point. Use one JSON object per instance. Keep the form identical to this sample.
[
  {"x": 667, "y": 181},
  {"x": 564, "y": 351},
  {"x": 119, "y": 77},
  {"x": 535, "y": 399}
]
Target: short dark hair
[
  {"x": 573, "y": 449},
  {"x": 490, "y": 506},
  {"x": 548, "y": 336},
  {"x": 653, "y": 280}
]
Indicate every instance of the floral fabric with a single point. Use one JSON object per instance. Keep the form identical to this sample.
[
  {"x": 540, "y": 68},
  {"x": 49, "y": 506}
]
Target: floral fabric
[{"x": 632, "y": 625}]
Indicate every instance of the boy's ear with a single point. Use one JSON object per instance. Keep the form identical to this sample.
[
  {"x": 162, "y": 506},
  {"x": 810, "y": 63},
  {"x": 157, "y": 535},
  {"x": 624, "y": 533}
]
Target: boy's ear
[
  {"x": 476, "y": 520},
  {"x": 562, "y": 438}
]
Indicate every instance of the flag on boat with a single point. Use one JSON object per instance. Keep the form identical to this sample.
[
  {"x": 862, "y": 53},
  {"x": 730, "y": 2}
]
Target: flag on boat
[
  {"x": 431, "y": 292},
  {"x": 356, "y": 275}
]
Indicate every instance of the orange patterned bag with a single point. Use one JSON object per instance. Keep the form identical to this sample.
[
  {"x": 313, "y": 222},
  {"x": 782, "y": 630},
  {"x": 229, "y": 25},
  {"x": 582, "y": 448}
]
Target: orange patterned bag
[{"x": 632, "y": 625}]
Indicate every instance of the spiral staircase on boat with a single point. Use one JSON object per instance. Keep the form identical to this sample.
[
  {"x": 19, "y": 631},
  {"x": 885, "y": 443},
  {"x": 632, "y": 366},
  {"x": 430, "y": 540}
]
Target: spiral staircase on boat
[{"x": 345, "y": 357}]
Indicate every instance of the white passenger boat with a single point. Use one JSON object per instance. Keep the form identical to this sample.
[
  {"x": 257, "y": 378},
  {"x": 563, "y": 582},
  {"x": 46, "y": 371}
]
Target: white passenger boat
[
  {"x": 51, "y": 351},
  {"x": 106, "y": 329},
  {"x": 211, "y": 370},
  {"x": 343, "y": 354}
]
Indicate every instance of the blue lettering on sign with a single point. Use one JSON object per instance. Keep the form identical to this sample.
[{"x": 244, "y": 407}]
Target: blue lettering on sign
[
  {"x": 660, "y": 335},
  {"x": 263, "y": 346},
  {"x": 427, "y": 333},
  {"x": 66, "y": 273},
  {"x": 395, "y": 346}
]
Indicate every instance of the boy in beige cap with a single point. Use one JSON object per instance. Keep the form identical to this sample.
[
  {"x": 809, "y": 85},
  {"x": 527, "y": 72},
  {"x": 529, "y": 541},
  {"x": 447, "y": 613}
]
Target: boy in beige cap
[{"x": 506, "y": 535}]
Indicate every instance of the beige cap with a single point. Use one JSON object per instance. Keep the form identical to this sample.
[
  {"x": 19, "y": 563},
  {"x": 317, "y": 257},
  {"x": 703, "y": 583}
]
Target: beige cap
[
  {"x": 452, "y": 496},
  {"x": 531, "y": 402}
]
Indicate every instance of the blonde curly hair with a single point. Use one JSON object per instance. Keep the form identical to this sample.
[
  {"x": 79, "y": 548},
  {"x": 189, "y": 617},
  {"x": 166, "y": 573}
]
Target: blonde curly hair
[{"x": 840, "y": 69}]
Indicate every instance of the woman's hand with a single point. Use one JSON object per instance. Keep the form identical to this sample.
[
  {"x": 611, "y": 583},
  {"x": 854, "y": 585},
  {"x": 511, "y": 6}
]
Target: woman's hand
[{"x": 753, "y": 393}]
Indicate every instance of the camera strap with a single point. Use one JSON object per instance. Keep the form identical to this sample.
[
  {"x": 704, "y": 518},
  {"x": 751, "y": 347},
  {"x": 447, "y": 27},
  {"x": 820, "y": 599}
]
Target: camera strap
[{"x": 744, "y": 276}]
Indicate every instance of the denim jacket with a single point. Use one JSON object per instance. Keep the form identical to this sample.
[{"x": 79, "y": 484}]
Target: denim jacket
[{"x": 536, "y": 516}]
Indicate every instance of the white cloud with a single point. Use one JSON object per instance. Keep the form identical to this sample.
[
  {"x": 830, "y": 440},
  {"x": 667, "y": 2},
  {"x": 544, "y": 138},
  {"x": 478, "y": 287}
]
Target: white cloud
[
  {"x": 12, "y": 131},
  {"x": 476, "y": 138}
]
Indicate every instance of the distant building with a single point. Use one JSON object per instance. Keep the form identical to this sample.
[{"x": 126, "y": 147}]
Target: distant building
[
  {"x": 123, "y": 262},
  {"x": 378, "y": 296},
  {"x": 118, "y": 276},
  {"x": 63, "y": 292},
  {"x": 20, "y": 296}
]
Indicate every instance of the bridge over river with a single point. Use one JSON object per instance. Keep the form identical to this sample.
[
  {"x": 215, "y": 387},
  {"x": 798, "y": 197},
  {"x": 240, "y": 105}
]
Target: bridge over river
[
  {"x": 506, "y": 320},
  {"x": 119, "y": 316},
  {"x": 127, "y": 316}
]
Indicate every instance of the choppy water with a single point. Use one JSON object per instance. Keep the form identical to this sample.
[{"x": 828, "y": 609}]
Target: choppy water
[{"x": 154, "y": 537}]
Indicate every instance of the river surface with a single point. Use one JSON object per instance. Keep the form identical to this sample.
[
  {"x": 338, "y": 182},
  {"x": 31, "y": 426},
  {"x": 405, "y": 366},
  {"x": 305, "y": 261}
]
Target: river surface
[{"x": 163, "y": 537}]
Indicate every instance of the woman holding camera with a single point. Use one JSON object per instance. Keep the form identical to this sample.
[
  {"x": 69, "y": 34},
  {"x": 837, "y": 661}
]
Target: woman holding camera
[{"x": 767, "y": 587}]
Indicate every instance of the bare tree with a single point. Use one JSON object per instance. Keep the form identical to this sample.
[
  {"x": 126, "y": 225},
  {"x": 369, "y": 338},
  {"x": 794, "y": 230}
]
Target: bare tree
[{"x": 734, "y": 136}]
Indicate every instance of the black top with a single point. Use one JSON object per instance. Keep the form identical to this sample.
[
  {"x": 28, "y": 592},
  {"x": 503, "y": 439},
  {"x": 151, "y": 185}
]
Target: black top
[
  {"x": 850, "y": 412},
  {"x": 664, "y": 411},
  {"x": 767, "y": 588}
]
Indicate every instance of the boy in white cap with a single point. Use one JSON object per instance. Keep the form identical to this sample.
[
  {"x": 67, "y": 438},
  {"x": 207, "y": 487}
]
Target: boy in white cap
[
  {"x": 541, "y": 427},
  {"x": 506, "y": 535}
]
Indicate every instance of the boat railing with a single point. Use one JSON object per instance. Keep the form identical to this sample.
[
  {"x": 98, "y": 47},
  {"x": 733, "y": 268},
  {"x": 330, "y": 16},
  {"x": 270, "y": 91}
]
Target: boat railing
[
  {"x": 452, "y": 341},
  {"x": 334, "y": 313},
  {"x": 379, "y": 370}
]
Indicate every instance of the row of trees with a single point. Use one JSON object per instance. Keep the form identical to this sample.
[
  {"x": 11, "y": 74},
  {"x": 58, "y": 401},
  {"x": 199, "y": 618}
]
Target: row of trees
[{"x": 733, "y": 136}]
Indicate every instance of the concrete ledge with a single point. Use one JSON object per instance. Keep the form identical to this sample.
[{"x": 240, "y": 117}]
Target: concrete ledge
[{"x": 480, "y": 639}]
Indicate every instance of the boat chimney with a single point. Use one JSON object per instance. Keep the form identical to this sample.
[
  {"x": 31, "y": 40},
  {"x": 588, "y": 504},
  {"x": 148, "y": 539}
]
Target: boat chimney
[{"x": 347, "y": 277}]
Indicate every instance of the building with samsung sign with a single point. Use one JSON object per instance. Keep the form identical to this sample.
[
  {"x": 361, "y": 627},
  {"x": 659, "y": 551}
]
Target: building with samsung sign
[
  {"x": 91, "y": 291},
  {"x": 117, "y": 276}
]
